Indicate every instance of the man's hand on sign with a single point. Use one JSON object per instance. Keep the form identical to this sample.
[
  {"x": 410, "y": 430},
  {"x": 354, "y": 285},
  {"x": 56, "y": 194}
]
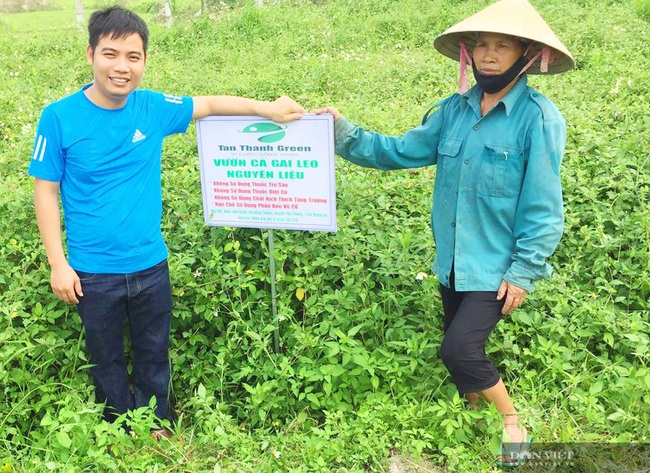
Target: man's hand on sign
[{"x": 283, "y": 109}]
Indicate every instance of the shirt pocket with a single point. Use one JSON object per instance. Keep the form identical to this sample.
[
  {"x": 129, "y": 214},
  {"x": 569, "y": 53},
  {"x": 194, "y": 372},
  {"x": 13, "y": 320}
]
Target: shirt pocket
[
  {"x": 448, "y": 151},
  {"x": 502, "y": 171}
]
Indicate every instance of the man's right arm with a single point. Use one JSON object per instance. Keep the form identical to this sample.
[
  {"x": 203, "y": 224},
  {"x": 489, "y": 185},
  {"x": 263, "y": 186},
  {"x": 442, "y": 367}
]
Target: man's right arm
[
  {"x": 281, "y": 110},
  {"x": 64, "y": 280}
]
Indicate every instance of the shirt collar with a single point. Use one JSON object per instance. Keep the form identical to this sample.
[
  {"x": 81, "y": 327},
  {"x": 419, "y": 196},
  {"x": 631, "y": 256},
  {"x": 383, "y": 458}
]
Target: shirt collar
[{"x": 473, "y": 96}]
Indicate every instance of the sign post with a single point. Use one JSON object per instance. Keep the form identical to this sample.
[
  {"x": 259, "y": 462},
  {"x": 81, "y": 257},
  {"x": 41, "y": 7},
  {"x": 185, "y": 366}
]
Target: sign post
[
  {"x": 259, "y": 174},
  {"x": 274, "y": 293}
]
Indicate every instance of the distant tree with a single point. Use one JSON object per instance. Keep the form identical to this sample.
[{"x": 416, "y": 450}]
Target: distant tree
[
  {"x": 79, "y": 8},
  {"x": 168, "y": 13}
]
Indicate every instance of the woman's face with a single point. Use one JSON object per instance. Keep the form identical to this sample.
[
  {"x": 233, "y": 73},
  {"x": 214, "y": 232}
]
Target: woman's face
[{"x": 495, "y": 53}]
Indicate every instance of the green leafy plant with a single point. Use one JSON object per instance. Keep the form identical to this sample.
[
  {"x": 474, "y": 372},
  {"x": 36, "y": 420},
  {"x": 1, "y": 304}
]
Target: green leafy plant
[{"x": 357, "y": 376}]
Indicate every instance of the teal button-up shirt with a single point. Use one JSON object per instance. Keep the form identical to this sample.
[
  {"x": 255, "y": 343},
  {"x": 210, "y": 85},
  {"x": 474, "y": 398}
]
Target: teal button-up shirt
[{"x": 497, "y": 203}]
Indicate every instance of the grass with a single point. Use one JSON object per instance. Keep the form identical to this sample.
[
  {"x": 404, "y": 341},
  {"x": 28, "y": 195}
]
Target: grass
[
  {"x": 575, "y": 356},
  {"x": 30, "y": 23}
]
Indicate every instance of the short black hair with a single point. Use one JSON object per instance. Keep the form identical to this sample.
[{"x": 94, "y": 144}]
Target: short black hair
[{"x": 118, "y": 22}]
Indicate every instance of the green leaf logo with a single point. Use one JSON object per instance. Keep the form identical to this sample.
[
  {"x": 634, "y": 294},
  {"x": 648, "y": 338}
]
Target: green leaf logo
[{"x": 271, "y": 131}]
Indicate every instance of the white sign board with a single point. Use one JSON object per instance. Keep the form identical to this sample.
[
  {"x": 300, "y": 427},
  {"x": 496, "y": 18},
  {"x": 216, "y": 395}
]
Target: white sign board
[{"x": 259, "y": 174}]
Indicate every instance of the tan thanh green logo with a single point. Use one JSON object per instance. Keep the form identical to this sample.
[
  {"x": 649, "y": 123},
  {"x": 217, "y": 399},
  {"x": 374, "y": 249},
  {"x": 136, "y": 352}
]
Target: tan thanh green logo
[{"x": 269, "y": 132}]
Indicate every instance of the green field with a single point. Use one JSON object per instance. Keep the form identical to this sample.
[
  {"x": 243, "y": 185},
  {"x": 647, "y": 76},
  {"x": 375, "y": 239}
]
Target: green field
[{"x": 358, "y": 384}]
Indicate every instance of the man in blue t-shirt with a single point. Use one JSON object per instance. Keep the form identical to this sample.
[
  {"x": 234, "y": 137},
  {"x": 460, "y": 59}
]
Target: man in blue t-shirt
[{"x": 100, "y": 148}]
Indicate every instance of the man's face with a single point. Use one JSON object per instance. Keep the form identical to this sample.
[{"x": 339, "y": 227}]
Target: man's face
[
  {"x": 118, "y": 65},
  {"x": 496, "y": 53}
]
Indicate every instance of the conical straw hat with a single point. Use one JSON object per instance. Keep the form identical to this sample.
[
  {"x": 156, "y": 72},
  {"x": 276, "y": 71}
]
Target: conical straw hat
[{"x": 512, "y": 17}]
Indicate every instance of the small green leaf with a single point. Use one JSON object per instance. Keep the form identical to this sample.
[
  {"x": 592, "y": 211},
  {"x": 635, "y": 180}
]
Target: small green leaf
[
  {"x": 64, "y": 439},
  {"x": 313, "y": 399},
  {"x": 596, "y": 387}
]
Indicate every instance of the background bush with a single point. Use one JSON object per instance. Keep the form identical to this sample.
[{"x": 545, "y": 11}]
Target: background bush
[{"x": 357, "y": 376}]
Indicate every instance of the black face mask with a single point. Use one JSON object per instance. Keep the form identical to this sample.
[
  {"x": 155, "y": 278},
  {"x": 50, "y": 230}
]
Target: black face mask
[{"x": 491, "y": 84}]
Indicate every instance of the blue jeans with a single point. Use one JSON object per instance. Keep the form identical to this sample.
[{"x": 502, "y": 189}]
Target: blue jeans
[{"x": 145, "y": 300}]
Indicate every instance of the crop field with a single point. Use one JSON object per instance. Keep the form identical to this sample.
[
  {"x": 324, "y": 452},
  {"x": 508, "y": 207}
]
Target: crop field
[{"x": 357, "y": 384}]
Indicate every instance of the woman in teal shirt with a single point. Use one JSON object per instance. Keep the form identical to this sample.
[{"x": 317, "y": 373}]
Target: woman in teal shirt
[{"x": 497, "y": 205}]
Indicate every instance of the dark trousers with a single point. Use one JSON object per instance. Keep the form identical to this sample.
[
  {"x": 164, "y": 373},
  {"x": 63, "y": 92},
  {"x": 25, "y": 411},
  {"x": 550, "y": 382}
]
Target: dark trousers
[
  {"x": 469, "y": 318},
  {"x": 144, "y": 300}
]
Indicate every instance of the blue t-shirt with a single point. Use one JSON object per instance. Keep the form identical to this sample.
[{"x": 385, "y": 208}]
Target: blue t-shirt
[
  {"x": 108, "y": 165},
  {"x": 497, "y": 205}
]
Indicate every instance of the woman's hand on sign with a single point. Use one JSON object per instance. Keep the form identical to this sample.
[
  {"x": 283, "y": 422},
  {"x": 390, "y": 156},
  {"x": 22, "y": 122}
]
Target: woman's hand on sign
[{"x": 329, "y": 109}]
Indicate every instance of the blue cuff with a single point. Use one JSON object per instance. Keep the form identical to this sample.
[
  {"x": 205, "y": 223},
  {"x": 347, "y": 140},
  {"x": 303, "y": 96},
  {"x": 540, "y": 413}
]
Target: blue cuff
[
  {"x": 343, "y": 128},
  {"x": 520, "y": 277}
]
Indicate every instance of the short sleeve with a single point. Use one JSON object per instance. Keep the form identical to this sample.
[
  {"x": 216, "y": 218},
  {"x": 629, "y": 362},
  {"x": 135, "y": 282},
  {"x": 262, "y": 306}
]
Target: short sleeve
[
  {"x": 47, "y": 160},
  {"x": 173, "y": 113}
]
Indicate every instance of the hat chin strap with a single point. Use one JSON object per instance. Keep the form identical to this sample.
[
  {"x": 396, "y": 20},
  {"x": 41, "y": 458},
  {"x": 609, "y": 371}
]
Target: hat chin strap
[
  {"x": 463, "y": 77},
  {"x": 466, "y": 59},
  {"x": 547, "y": 58}
]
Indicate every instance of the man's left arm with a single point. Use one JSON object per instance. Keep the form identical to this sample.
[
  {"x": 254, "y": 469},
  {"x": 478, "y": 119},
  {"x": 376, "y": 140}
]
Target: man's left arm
[{"x": 281, "y": 110}]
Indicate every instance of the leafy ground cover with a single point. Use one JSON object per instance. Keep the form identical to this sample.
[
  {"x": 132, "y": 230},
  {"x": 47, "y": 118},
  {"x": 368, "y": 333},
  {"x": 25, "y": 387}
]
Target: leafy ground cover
[{"x": 357, "y": 379}]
